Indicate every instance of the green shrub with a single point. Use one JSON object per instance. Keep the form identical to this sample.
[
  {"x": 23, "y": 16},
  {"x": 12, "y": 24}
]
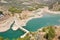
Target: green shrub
[
  {"x": 51, "y": 33},
  {"x": 1, "y": 38},
  {"x": 14, "y": 10},
  {"x": 1, "y": 12}
]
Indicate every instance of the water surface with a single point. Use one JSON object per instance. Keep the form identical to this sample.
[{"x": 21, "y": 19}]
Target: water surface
[
  {"x": 46, "y": 20},
  {"x": 33, "y": 25}
]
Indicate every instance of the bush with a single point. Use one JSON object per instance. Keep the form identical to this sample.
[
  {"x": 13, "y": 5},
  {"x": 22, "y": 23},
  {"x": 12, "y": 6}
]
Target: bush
[
  {"x": 1, "y": 12},
  {"x": 51, "y": 33},
  {"x": 14, "y": 10},
  {"x": 44, "y": 29},
  {"x": 31, "y": 9},
  {"x": 59, "y": 9}
]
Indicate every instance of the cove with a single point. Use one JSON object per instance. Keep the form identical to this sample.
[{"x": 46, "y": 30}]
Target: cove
[
  {"x": 11, "y": 34},
  {"x": 33, "y": 25},
  {"x": 46, "y": 20}
]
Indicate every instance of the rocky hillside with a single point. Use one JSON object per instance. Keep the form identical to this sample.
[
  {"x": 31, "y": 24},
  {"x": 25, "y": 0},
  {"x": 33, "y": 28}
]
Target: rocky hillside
[{"x": 20, "y": 2}]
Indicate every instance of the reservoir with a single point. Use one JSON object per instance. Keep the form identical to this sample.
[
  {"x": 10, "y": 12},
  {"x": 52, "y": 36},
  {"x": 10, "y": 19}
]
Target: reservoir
[{"x": 33, "y": 25}]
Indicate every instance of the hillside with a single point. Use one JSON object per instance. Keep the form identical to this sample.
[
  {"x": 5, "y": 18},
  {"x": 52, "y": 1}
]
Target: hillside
[{"x": 20, "y": 2}]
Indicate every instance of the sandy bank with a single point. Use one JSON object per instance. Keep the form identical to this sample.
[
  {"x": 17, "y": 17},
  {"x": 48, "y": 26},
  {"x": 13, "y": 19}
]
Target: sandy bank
[
  {"x": 6, "y": 26},
  {"x": 46, "y": 9}
]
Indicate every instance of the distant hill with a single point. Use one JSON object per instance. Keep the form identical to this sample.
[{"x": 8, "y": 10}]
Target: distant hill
[{"x": 18, "y": 3}]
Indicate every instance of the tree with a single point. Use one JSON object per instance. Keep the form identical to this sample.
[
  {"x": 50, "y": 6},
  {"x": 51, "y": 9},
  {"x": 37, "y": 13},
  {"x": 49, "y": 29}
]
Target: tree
[{"x": 51, "y": 33}]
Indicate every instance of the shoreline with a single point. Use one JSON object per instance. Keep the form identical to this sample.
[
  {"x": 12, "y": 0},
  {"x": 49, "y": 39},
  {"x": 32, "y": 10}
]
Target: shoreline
[
  {"x": 6, "y": 26},
  {"x": 46, "y": 9},
  {"x": 25, "y": 21},
  {"x": 20, "y": 23},
  {"x": 37, "y": 15}
]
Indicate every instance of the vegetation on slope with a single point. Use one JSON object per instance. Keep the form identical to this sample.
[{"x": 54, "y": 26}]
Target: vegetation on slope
[
  {"x": 50, "y": 34},
  {"x": 14, "y": 10}
]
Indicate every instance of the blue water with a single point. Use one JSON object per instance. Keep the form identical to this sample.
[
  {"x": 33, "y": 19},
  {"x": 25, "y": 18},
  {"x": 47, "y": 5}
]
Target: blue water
[
  {"x": 33, "y": 25},
  {"x": 46, "y": 20},
  {"x": 12, "y": 34}
]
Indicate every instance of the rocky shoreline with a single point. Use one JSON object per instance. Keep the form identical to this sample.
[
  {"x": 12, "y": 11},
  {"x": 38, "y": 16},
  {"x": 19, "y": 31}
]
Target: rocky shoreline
[{"x": 23, "y": 22}]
